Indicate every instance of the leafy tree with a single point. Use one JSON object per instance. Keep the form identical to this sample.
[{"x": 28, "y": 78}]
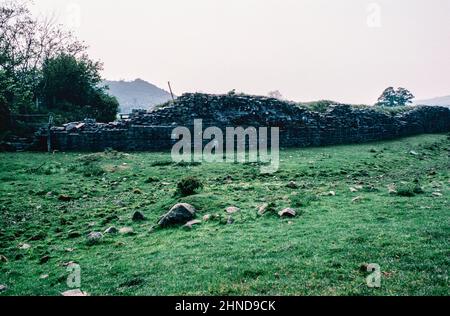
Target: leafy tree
[
  {"x": 72, "y": 85},
  {"x": 41, "y": 63},
  {"x": 391, "y": 97}
]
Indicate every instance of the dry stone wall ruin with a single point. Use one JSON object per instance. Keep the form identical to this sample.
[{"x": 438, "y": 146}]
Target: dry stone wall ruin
[{"x": 299, "y": 127}]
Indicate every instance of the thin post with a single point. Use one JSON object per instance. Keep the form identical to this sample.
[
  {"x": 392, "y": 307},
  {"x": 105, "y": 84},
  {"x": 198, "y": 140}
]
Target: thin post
[
  {"x": 49, "y": 136},
  {"x": 170, "y": 89}
]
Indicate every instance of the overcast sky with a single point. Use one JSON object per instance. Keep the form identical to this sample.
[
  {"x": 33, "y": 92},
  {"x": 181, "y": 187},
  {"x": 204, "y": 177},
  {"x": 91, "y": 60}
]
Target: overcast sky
[{"x": 343, "y": 50}]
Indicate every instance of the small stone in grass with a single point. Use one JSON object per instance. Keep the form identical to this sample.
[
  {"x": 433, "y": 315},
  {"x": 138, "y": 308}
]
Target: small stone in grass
[
  {"x": 263, "y": 209},
  {"x": 94, "y": 238},
  {"x": 138, "y": 216},
  {"x": 292, "y": 185},
  {"x": 24, "y": 246},
  {"x": 232, "y": 210},
  {"x": 287, "y": 212},
  {"x": 191, "y": 224},
  {"x": 3, "y": 258},
  {"x": 44, "y": 276},
  {"x": 44, "y": 259},
  {"x": 207, "y": 218},
  {"x": 111, "y": 230},
  {"x": 230, "y": 220},
  {"x": 126, "y": 231},
  {"x": 76, "y": 292},
  {"x": 3, "y": 287},
  {"x": 357, "y": 199}
]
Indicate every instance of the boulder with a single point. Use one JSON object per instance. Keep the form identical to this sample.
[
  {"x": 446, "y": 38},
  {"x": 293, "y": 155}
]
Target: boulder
[{"x": 178, "y": 214}]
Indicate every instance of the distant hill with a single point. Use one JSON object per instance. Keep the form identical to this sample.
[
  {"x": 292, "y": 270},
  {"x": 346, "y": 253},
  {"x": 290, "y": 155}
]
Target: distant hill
[
  {"x": 137, "y": 94},
  {"x": 441, "y": 101}
]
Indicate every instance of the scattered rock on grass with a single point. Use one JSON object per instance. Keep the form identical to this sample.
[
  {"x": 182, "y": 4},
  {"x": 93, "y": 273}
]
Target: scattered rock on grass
[
  {"x": 94, "y": 238},
  {"x": 76, "y": 292},
  {"x": 263, "y": 209},
  {"x": 44, "y": 259},
  {"x": 24, "y": 246},
  {"x": 138, "y": 216},
  {"x": 178, "y": 214},
  {"x": 232, "y": 210},
  {"x": 111, "y": 230},
  {"x": 357, "y": 199},
  {"x": 191, "y": 224},
  {"x": 287, "y": 212},
  {"x": 392, "y": 189},
  {"x": 292, "y": 185},
  {"x": 126, "y": 231}
]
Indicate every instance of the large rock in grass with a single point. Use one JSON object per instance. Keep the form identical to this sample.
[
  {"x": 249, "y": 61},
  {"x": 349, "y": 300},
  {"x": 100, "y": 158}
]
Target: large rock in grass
[{"x": 179, "y": 214}]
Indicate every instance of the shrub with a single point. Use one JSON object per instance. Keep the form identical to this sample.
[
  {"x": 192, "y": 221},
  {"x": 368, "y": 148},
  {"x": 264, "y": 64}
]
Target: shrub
[
  {"x": 189, "y": 186},
  {"x": 409, "y": 190},
  {"x": 302, "y": 200}
]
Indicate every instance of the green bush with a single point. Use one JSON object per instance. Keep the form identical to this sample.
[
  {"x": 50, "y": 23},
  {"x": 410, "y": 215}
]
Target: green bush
[
  {"x": 189, "y": 186},
  {"x": 301, "y": 200},
  {"x": 409, "y": 190}
]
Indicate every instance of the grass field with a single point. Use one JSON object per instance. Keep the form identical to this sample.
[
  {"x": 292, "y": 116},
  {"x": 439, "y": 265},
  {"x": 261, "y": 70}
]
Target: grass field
[{"x": 347, "y": 218}]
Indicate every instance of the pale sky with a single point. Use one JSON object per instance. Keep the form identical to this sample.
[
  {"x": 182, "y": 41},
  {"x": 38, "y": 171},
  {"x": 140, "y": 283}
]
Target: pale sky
[{"x": 343, "y": 50}]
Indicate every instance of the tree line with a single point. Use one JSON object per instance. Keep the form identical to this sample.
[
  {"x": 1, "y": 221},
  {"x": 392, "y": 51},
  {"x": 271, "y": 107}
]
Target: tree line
[{"x": 44, "y": 68}]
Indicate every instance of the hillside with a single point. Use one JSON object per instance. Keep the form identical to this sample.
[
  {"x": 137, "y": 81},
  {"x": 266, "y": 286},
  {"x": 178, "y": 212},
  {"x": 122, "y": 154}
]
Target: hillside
[
  {"x": 441, "y": 101},
  {"x": 137, "y": 94}
]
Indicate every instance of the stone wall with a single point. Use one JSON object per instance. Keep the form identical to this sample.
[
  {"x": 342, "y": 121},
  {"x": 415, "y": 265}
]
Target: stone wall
[{"x": 299, "y": 127}]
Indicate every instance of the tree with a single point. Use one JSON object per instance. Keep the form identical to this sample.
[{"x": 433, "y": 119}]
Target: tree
[
  {"x": 391, "y": 97},
  {"x": 275, "y": 94},
  {"x": 4, "y": 115},
  {"x": 42, "y": 63},
  {"x": 72, "y": 85}
]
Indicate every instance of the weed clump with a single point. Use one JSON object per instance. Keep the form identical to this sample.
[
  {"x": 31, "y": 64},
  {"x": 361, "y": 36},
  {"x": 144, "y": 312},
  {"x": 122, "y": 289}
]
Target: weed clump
[
  {"x": 409, "y": 190},
  {"x": 301, "y": 200},
  {"x": 189, "y": 186}
]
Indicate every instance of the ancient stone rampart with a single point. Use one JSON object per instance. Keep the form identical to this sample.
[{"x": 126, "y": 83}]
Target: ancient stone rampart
[{"x": 299, "y": 127}]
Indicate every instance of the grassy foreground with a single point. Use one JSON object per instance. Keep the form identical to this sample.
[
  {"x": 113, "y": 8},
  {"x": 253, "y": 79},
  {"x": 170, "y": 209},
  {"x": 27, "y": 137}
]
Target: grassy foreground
[{"x": 347, "y": 218}]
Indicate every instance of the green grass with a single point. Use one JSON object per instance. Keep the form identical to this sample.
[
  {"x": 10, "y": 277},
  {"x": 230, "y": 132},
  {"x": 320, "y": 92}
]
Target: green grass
[{"x": 319, "y": 252}]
